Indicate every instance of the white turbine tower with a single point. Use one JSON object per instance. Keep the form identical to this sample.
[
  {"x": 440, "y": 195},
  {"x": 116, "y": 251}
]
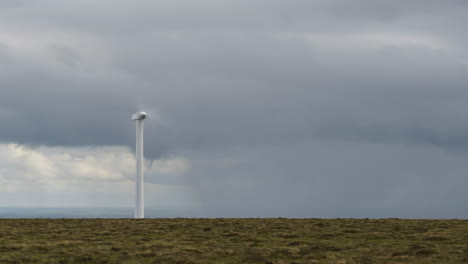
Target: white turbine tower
[{"x": 139, "y": 189}]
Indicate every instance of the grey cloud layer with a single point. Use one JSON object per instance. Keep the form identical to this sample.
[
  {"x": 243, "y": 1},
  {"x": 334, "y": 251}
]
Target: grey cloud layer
[{"x": 247, "y": 76}]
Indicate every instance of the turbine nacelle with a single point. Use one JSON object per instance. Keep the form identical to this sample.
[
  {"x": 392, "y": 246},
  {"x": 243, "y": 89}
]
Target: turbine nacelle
[{"x": 139, "y": 116}]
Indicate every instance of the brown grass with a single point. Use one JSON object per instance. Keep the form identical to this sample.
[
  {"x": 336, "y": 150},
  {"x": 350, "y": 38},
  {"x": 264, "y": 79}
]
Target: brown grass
[{"x": 233, "y": 241}]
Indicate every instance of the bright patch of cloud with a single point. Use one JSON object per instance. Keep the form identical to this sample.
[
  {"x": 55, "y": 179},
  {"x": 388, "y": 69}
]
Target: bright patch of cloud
[
  {"x": 90, "y": 171},
  {"x": 98, "y": 163}
]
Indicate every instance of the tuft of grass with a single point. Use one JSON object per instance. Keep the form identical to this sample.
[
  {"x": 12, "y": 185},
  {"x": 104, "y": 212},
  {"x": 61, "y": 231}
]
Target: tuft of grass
[{"x": 192, "y": 241}]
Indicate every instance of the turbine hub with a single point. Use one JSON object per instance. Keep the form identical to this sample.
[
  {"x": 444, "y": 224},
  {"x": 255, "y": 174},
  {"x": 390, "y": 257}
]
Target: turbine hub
[{"x": 139, "y": 116}]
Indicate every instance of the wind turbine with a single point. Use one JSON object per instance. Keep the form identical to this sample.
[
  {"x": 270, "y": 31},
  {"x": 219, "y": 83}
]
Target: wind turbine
[{"x": 139, "y": 189}]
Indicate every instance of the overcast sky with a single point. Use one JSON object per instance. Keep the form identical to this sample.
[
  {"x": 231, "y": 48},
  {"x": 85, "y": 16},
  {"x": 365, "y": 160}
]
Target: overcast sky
[{"x": 321, "y": 108}]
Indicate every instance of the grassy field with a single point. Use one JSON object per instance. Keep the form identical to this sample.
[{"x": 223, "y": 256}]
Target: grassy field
[{"x": 233, "y": 241}]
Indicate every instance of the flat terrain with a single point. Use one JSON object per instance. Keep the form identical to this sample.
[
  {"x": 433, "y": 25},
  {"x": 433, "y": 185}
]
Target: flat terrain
[{"x": 275, "y": 240}]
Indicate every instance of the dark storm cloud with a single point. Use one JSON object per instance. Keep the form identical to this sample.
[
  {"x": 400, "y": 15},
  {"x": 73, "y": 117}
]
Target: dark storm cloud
[
  {"x": 267, "y": 85},
  {"x": 247, "y": 76},
  {"x": 332, "y": 179}
]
